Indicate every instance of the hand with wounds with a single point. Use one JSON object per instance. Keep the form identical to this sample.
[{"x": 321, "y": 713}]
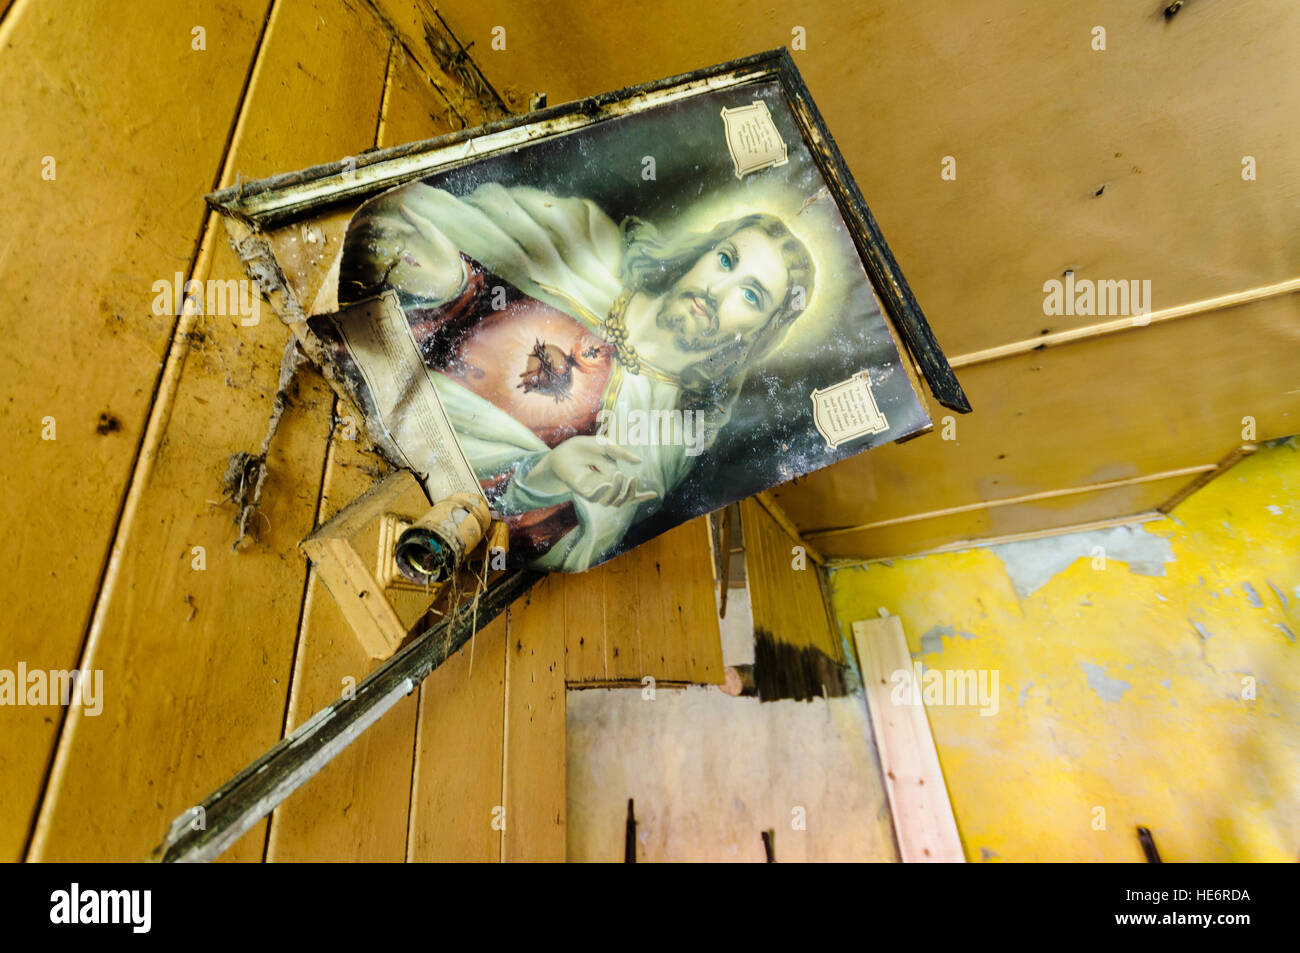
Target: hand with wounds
[{"x": 589, "y": 467}]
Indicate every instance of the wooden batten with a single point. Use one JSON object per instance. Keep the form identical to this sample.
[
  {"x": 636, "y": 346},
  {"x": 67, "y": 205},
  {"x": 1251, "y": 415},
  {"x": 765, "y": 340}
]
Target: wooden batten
[
  {"x": 918, "y": 798},
  {"x": 347, "y": 552},
  {"x": 1223, "y": 466}
]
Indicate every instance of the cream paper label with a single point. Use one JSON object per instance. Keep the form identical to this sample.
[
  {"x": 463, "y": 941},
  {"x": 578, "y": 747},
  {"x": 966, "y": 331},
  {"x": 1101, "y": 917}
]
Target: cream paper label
[
  {"x": 410, "y": 414},
  {"x": 753, "y": 139},
  {"x": 847, "y": 411}
]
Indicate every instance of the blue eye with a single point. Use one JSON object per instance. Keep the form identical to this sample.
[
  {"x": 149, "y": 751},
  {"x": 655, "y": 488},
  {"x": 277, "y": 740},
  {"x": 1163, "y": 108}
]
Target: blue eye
[
  {"x": 751, "y": 297},
  {"x": 725, "y": 260}
]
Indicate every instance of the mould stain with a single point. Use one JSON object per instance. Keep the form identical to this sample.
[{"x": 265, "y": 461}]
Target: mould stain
[{"x": 796, "y": 672}]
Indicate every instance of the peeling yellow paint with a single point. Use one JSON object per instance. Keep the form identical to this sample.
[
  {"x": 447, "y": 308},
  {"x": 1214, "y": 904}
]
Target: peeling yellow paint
[{"x": 1183, "y": 749}]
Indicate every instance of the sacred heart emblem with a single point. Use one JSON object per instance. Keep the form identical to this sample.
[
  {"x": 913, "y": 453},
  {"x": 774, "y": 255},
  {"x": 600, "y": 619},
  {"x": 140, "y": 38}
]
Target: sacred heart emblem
[{"x": 549, "y": 371}]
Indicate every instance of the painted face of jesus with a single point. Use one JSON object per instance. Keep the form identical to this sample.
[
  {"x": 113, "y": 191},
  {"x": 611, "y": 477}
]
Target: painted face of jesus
[{"x": 731, "y": 290}]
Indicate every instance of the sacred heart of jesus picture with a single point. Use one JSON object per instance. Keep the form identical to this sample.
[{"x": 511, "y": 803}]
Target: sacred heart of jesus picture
[{"x": 612, "y": 318}]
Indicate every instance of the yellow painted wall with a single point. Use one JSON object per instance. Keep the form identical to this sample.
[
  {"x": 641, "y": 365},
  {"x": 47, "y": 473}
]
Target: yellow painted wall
[{"x": 1215, "y": 776}]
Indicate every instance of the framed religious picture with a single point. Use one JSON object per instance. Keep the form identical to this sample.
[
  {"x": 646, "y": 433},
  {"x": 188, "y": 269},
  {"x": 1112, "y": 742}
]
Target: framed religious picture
[{"x": 607, "y": 317}]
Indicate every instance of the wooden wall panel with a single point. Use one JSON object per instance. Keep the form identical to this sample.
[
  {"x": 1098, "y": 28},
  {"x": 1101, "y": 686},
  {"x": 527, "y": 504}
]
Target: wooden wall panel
[
  {"x": 133, "y": 151},
  {"x": 1029, "y": 516},
  {"x": 785, "y": 600},
  {"x": 650, "y": 611},
  {"x": 197, "y": 663},
  {"x": 470, "y": 100},
  {"x": 687, "y": 592},
  {"x": 535, "y": 726},
  {"x": 358, "y": 807},
  {"x": 622, "y": 579},
  {"x": 414, "y": 108},
  {"x": 1155, "y": 399},
  {"x": 458, "y": 807},
  {"x": 682, "y": 648},
  {"x": 652, "y": 625},
  {"x": 584, "y": 626},
  {"x": 490, "y": 763}
]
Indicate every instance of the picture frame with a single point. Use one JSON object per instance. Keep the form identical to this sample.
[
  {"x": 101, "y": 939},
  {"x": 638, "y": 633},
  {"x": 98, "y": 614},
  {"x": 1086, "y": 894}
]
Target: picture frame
[{"x": 566, "y": 219}]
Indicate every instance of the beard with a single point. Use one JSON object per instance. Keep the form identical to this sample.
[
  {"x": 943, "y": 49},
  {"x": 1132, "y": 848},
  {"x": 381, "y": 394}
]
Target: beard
[{"x": 692, "y": 332}]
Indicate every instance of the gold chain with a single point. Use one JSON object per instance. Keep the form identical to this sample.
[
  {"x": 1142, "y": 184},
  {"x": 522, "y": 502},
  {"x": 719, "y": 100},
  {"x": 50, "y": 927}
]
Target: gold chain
[{"x": 615, "y": 330}]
